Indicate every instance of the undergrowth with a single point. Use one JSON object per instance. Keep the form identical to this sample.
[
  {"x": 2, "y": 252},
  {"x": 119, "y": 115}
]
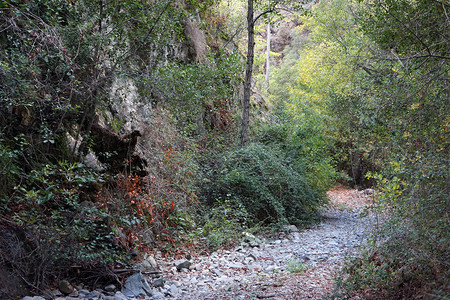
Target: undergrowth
[
  {"x": 270, "y": 189},
  {"x": 407, "y": 257}
]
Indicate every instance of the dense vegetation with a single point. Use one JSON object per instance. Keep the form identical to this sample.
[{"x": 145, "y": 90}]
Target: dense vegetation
[
  {"x": 373, "y": 76},
  {"x": 119, "y": 133},
  {"x": 114, "y": 117}
]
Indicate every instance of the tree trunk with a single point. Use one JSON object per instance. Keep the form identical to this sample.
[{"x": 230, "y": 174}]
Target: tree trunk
[
  {"x": 248, "y": 75},
  {"x": 266, "y": 82}
]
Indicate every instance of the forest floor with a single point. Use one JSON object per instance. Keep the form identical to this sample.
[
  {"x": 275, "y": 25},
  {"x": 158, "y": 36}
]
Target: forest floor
[{"x": 290, "y": 265}]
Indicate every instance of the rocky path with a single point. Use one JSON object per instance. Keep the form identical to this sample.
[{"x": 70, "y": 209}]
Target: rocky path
[{"x": 294, "y": 265}]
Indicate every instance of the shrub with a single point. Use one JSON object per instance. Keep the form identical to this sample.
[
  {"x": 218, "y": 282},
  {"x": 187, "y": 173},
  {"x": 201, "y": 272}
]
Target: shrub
[
  {"x": 304, "y": 148},
  {"x": 200, "y": 96},
  {"x": 59, "y": 223},
  {"x": 268, "y": 187},
  {"x": 409, "y": 251},
  {"x": 295, "y": 266},
  {"x": 9, "y": 168},
  {"x": 224, "y": 224}
]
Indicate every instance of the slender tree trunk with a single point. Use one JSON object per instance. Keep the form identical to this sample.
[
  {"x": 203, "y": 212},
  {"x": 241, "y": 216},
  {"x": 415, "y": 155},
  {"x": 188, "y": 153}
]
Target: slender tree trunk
[
  {"x": 248, "y": 75},
  {"x": 266, "y": 82}
]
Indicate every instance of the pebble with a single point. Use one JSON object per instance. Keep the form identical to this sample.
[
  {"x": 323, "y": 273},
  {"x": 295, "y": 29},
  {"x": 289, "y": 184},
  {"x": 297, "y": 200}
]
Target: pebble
[{"x": 110, "y": 288}]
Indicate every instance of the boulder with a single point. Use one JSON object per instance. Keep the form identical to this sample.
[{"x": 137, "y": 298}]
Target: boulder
[
  {"x": 182, "y": 264},
  {"x": 158, "y": 282},
  {"x": 136, "y": 286},
  {"x": 252, "y": 240},
  {"x": 65, "y": 287}
]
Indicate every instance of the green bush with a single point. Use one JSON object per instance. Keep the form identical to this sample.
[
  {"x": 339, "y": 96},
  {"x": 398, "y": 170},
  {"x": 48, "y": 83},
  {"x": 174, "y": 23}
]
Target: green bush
[
  {"x": 224, "y": 224},
  {"x": 304, "y": 147},
  {"x": 268, "y": 187},
  {"x": 295, "y": 266},
  {"x": 54, "y": 206},
  {"x": 206, "y": 89},
  {"x": 9, "y": 169}
]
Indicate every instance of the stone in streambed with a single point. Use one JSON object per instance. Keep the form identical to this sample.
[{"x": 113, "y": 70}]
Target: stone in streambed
[
  {"x": 173, "y": 290},
  {"x": 290, "y": 228},
  {"x": 93, "y": 294},
  {"x": 158, "y": 282},
  {"x": 137, "y": 285},
  {"x": 158, "y": 295},
  {"x": 52, "y": 294},
  {"x": 182, "y": 264},
  {"x": 119, "y": 296},
  {"x": 251, "y": 240},
  {"x": 110, "y": 288},
  {"x": 65, "y": 287}
]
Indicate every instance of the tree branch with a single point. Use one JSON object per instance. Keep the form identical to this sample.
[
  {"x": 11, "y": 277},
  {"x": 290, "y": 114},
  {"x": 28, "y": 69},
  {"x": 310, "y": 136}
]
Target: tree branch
[
  {"x": 442, "y": 3},
  {"x": 387, "y": 10},
  {"x": 398, "y": 58},
  {"x": 268, "y": 11}
]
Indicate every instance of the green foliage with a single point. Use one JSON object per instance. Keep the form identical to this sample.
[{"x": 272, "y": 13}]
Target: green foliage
[
  {"x": 407, "y": 26},
  {"x": 224, "y": 224},
  {"x": 9, "y": 169},
  {"x": 63, "y": 224},
  {"x": 327, "y": 94},
  {"x": 295, "y": 266},
  {"x": 302, "y": 144},
  {"x": 368, "y": 85},
  {"x": 57, "y": 63},
  {"x": 267, "y": 186},
  {"x": 196, "y": 90},
  {"x": 397, "y": 99},
  {"x": 209, "y": 227}
]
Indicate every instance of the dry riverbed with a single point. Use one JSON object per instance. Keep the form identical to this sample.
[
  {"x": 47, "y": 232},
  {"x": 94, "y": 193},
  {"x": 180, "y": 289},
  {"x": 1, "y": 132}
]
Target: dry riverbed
[
  {"x": 296, "y": 265},
  {"x": 293, "y": 265}
]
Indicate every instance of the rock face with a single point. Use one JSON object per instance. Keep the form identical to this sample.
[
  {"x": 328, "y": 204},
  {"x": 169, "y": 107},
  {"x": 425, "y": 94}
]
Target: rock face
[
  {"x": 196, "y": 41},
  {"x": 282, "y": 36},
  {"x": 133, "y": 108},
  {"x": 111, "y": 149}
]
